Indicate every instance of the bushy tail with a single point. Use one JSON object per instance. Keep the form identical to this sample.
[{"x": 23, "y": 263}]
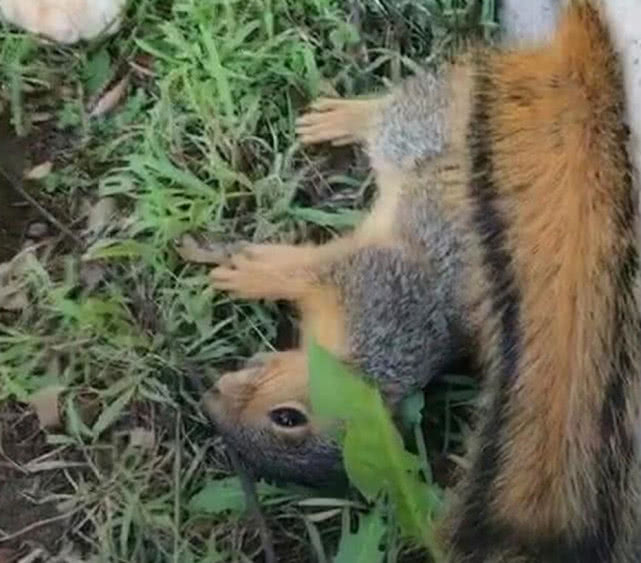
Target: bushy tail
[{"x": 555, "y": 466}]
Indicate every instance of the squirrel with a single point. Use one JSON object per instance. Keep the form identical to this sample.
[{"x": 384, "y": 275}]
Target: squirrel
[
  {"x": 384, "y": 298},
  {"x": 401, "y": 333},
  {"x": 525, "y": 158}
]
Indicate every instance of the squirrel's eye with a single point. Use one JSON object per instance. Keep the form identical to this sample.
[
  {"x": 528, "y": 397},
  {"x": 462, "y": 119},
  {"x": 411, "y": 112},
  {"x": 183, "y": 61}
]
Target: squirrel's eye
[{"x": 288, "y": 417}]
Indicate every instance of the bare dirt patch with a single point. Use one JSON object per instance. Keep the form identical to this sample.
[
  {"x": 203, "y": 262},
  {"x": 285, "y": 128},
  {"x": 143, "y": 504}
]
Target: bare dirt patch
[
  {"x": 15, "y": 213},
  {"x": 28, "y": 516}
]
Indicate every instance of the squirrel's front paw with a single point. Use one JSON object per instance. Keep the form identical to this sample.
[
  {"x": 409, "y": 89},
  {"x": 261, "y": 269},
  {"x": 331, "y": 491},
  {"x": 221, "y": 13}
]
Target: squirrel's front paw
[
  {"x": 330, "y": 120},
  {"x": 260, "y": 271}
]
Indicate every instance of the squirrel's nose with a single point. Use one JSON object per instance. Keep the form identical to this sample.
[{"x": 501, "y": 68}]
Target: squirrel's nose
[{"x": 212, "y": 400}]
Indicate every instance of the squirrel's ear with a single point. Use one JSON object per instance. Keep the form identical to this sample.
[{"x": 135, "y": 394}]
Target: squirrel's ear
[{"x": 241, "y": 382}]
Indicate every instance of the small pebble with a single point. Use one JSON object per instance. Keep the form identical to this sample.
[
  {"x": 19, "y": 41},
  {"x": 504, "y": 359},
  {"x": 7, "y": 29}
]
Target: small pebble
[
  {"x": 91, "y": 275},
  {"x": 38, "y": 229}
]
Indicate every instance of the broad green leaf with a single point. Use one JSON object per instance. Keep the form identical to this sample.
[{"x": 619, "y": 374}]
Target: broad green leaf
[
  {"x": 363, "y": 546},
  {"x": 219, "y": 496},
  {"x": 373, "y": 450},
  {"x": 227, "y": 495},
  {"x": 97, "y": 71},
  {"x": 327, "y": 376}
]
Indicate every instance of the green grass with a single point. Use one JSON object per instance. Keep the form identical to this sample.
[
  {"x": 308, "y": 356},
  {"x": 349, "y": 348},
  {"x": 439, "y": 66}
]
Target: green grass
[{"x": 202, "y": 141}]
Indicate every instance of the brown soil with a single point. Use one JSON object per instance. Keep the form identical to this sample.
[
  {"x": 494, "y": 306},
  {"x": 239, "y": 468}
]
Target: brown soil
[
  {"x": 26, "y": 516},
  {"x": 15, "y": 213}
]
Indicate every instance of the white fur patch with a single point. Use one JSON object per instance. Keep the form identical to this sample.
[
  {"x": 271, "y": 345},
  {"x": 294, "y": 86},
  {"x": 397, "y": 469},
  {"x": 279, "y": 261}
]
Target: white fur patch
[
  {"x": 624, "y": 21},
  {"x": 528, "y": 21},
  {"x": 65, "y": 21}
]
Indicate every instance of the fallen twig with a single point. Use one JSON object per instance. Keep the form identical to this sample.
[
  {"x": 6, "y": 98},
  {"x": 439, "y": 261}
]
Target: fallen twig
[
  {"x": 248, "y": 484},
  {"x": 5, "y": 536},
  {"x": 16, "y": 185}
]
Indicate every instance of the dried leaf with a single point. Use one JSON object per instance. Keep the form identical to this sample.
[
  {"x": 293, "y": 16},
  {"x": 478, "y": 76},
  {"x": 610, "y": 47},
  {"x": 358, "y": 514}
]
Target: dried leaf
[
  {"x": 13, "y": 295},
  {"x": 34, "y": 556},
  {"x": 70, "y": 554},
  {"x": 12, "y": 299},
  {"x": 91, "y": 274},
  {"x": 100, "y": 214},
  {"x": 111, "y": 98},
  {"x": 40, "y": 171},
  {"x": 326, "y": 88},
  {"x": 140, "y": 437},
  {"x": 324, "y": 515},
  {"x": 8, "y": 555},
  {"x": 38, "y": 229},
  {"x": 45, "y": 403},
  {"x": 142, "y": 65},
  {"x": 190, "y": 251},
  {"x": 41, "y": 116},
  {"x": 460, "y": 461}
]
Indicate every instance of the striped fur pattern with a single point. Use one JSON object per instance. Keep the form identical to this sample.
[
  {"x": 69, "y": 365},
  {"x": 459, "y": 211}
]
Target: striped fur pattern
[{"x": 555, "y": 464}]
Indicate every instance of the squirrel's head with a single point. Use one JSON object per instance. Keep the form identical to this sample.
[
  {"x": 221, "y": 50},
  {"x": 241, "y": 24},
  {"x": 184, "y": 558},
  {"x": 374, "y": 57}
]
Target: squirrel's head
[{"x": 264, "y": 412}]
